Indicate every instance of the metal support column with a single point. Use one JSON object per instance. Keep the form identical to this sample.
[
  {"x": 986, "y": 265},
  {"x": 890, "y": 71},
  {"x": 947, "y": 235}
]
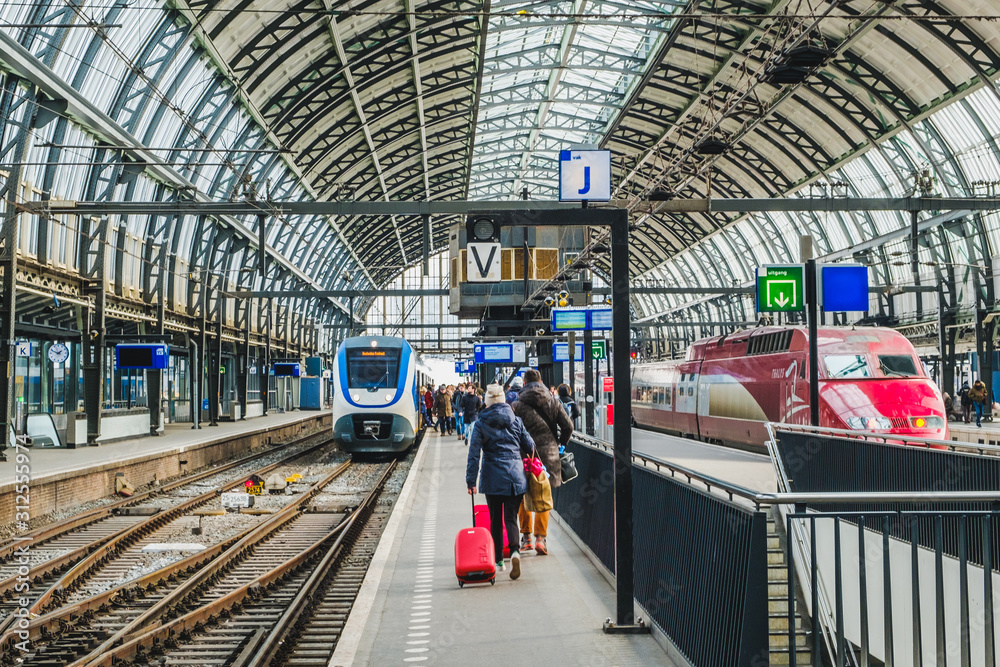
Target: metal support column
[
  {"x": 154, "y": 379},
  {"x": 812, "y": 309},
  {"x": 621, "y": 333},
  {"x": 243, "y": 363},
  {"x": 946, "y": 344},
  {"x": 214, "y": 358}
]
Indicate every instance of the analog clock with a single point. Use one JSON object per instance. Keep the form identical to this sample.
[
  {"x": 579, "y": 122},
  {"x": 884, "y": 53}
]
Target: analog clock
[{"x": 58, "y": 353}]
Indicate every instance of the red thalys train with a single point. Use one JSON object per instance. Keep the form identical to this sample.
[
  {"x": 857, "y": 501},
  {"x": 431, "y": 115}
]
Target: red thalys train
[{"x": 870, "y": 379}]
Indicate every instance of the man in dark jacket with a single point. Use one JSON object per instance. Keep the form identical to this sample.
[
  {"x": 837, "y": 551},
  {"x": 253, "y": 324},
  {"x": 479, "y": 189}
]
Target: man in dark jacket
[
  {"x": 503, "y": 441},
  {"x": 550, "y": 427},
  {"x": 471, "y": 404}
]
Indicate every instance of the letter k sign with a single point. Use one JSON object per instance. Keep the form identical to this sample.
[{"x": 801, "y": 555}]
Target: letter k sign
[{"x": 483, "y": 263}]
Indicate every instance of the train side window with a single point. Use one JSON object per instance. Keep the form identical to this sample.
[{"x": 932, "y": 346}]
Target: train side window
[{"x": 690, "y": 390}]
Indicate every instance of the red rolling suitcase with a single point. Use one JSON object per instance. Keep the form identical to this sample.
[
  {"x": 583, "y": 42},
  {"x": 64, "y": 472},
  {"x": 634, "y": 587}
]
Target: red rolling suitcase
[
  {"x": 481, "y": 513},
  {"x": 475, "y": 561}
]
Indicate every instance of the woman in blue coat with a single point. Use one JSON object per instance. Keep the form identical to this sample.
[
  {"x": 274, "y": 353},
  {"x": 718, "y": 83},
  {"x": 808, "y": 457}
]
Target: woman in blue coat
[{"x": 503, "y": 441}]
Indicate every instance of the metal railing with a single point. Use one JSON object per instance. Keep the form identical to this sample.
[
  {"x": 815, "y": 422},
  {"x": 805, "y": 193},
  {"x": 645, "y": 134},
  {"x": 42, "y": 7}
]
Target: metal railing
[
  {"x": 701, "y": 538},
  {"x": 941, "y": 515}
]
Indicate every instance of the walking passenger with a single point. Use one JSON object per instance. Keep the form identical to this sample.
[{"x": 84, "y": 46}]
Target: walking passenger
[
  {"x": 502, "y": 441},
  {"x": 442, "y": 409},
  {"x": 549, "y": 426},
  {"x": 978, "y": 397},
  {"x": 456, "y": 404},
  {"x": 471, "y": 404},
  {"x": 515, "y": 387},
  {"x": 966, "y": 402},
  {"x": 568, "y": 404}
]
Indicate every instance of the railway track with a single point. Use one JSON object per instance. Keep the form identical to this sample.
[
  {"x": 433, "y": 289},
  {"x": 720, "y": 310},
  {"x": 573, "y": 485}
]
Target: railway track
[
  {"x": 265, "y": 600},
  {"x": 85, "y": 546}
]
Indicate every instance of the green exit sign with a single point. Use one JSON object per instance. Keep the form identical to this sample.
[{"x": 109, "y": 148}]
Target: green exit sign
[
  {"x": 599, "y": 349},
  {"x": 781, "y": 288}
]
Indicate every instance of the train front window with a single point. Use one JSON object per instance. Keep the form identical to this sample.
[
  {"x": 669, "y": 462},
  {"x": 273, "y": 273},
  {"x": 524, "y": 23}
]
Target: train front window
[
  {"x": 897, "y": 365},
  {"x": 840, "y": 366},
  {"x": 375, "y": 368}
]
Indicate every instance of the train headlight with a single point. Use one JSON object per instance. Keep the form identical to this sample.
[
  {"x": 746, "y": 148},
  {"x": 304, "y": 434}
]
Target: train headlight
[
  {"x": 869, "y": 423},
  {"x": 356, "y": 397},
  {"x": 927, "y": 422},
  {"x": 388, "y": 397},
  {"x": 374, "y": 343}
]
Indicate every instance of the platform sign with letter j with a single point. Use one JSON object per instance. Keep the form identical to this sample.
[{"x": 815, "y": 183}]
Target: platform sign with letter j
[
  {"x": 584, "y": 175},
  {"x": 781, "y": 288}
]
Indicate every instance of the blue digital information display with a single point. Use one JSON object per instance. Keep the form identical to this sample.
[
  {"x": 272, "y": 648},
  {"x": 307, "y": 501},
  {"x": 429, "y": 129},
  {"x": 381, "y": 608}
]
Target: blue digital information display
[
  {"x": 470, "y": 366},
  {"x": 494, "y": 353},
  {"x": 845, "y": 288},
  {"x": 600, "y": 319},
  {"x": 568, "y": 319},
  {"x": 286, "y": 370},
  {"x": 130, "y": 356},
  {"x": 560, "y": 352}
]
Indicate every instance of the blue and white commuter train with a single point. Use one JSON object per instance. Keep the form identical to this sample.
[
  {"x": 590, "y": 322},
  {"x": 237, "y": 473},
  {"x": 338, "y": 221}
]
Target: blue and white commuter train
[{"x": 375, "y": 393}]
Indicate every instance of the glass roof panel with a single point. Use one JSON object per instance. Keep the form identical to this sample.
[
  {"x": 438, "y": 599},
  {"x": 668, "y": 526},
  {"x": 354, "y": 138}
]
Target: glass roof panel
[{"x": 556, "y": 74}]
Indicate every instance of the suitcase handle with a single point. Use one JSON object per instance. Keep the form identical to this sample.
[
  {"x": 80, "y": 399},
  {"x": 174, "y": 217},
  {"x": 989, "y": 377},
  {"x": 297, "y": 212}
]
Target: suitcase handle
[{"x": 473, "y": 509}]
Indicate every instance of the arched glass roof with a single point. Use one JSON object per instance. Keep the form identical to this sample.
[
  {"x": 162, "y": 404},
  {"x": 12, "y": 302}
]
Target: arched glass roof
[{"x": 455, "y": 99}]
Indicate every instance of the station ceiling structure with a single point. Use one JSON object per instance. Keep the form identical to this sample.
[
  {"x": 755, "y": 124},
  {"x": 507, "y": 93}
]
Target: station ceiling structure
[{"x": 454, "y": 99}]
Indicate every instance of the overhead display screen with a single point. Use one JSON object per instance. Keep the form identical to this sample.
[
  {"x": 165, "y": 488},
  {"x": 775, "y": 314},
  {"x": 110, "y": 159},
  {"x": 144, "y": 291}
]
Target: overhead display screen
[
  {"x": 494, "y": 353},
  {"x": 133, "y": 356},
  {"x": 569, "y": 319},
  {"x": 600, "y": 319},
  {"x": 560, "y": 352}
]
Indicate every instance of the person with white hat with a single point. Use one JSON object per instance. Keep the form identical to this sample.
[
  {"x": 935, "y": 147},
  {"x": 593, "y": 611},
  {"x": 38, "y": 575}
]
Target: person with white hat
[
  {"x": 515, "y": 388},
  {"x": 502, "y": 441}
]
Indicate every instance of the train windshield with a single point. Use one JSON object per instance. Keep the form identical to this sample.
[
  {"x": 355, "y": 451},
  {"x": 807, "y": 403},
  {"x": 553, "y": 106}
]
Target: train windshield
[
  {"x": 372, "y": 368},
  {"x": 840, "y": 366},
  {"x": 898, "y": 365}
]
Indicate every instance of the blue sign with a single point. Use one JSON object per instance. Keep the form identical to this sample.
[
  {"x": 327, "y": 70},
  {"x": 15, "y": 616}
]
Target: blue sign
[
  {"x": 600, "y": 318},
  {"x": 459, "y": 367},
  {"x": 560, "y": 352},
  {"x": 585, "y": 175},
  {"x": 845, "y": 287},
  {"x": 204, "y": 404},
  {"x": 151, "y": 357},
  {"x": 494, "y": 353},
  {"x": 470, "y": 366}
]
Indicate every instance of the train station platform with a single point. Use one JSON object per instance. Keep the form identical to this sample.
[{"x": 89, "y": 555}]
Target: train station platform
[
  {"x": 754, "y": 471},
  {"x": 63, "y": 478},
  {"x": 989, "y": 434},
  {"x": 412, "y": 611}
]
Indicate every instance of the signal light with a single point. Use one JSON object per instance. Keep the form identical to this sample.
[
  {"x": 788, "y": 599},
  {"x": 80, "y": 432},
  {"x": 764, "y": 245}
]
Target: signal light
[
  {"x": 634, "y": 354},
  {"x": 248, "y": 483}
]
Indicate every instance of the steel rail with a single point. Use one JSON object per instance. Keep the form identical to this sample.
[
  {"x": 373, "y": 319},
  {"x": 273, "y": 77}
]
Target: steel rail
[
  {"x": 97, "y": 557},
  {"x": 45, "y": 533},
  {"x": 131, "y": 636},
  {"x": 110, "y": 543},
  {"x": 267, "y": 650}
]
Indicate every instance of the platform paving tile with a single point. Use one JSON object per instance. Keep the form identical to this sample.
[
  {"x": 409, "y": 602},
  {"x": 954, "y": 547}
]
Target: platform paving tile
[{"x": 551, "y": 616}]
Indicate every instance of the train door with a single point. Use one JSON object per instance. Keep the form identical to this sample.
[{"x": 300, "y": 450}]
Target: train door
[{"x": 687, "y": 397}]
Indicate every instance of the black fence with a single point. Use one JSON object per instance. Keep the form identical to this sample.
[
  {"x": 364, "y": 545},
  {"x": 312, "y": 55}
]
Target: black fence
[
  {"x": 830, "y": 464},
  {"x": 587, "y": 504},
  {"x": 700, "y": 561}
]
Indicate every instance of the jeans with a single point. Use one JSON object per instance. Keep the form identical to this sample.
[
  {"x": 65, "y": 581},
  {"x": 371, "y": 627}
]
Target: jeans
[
  {"x": 459, "y": 423},
  {"x": 979, "y": 412},
  {"x": 503, "y": 514}
]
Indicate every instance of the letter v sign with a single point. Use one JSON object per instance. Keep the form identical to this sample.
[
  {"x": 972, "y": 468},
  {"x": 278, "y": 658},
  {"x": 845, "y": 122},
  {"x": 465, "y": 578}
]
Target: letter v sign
[{"x": 480, "y": 271}]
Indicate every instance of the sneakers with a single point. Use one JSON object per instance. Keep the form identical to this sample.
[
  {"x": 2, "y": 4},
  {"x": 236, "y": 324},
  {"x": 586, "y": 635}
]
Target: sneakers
[
  {"x": 526, "y": 544},
  {"x": 515, "y": 565},
  {"x": 500, "y": 565},
  {"x": 540, "y": 546}
]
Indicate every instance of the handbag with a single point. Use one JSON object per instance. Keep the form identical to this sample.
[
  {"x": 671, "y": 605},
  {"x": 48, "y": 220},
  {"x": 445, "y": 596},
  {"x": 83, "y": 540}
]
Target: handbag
[
  {"x": 569, "y": 471},
  {"x": 539, "y": 495}
]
